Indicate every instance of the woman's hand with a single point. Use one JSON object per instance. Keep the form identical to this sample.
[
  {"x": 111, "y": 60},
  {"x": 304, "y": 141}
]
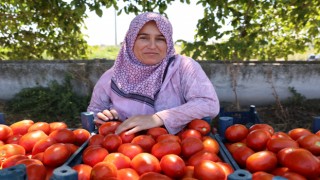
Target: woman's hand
[
  {"x": 139, "y": 123},
  {"x": 106, "y": 115}
]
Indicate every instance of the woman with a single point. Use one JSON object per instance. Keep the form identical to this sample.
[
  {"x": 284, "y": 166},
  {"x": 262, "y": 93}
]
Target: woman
[{"x": 151, "y": 86}]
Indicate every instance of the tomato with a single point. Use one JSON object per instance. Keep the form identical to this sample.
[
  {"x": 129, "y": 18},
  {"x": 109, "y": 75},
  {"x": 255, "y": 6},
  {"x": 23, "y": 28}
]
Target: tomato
[
  {"x": 145, "y": 162},
  {"x": 63, "y": 136},
  {"x": 108, "y": 127},
  {"x": 261, "y": 175},
  {"x": 111, "y": 142},
  {"x": 210, "y": 144},
  {"x": 21, "y": 127},
  {"x": 266, "y": 127},
  {"x": 257, "y": 139},
  {"x": 162, "y": 148},
  {"x": 196, "y": 158},
  {"x": 168, "y": 137},
  {"x": 153, "y": 176},
  {"x": 12, "y": 160},
  {"x": 276, "y": 144},
  {"x": 300, "y": 161},
  {"x": 310, "y": 142},
  {"x": 188, "y": 172},
  {"x": 293, "y": 176},
  {"x": 208, "y": 170},
  {"x": 56, "y": 154},
  {"x": 227, "y": 168},
  {"x": 83, "y": 170},
  {"x": 190, "y": 133},
  {"x": 72, "y": 147},
  {"x": 172, "y": 165},
  {"x": 241, "y": 155},
  {"x": 94, "y": 155},
  {"x": 29, "y": 139},
  {"x": 13, "y": 139},
  {"x": 43, "y": 126},
  {"x": 280, "y": 134},
  {"x": 130, "y": 149},
  {"x": 190, "y": 146},
  {"x": 200, "y": 125},
  {"x": 318, "y": 133},
  {"x": 236, "y": 132},
  {"x": 42, "y": 145},
  {"x": 38, "y": 156},
  {"x": 36, "y": 171},
  {"x": 118, "y": 159},
  {"x": 126, "y": 138},
  {"x": 103, "y": 170},
  {"x": 233, "y": 146},
  {"x": 5, "y": 132},
  {"x": 261, "y": 161},
  {"x": 57, "y": 125},
  {"x": 298, "y": 132},
  {"x": 8, "y": 150},
  {"x": 156, "y": 131},
  {"x": 127, "y": 174},
  {"x": 96, "y": 139},
  {"x": 144, "y": 141},
  {"x": 81, "y": 136}
]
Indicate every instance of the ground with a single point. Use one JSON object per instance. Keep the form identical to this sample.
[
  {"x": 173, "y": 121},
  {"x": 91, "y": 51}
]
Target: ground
[{"x": 283, "y": 117}]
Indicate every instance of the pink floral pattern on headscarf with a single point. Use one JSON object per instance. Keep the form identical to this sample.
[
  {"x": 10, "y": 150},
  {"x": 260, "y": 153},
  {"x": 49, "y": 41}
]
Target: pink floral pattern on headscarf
[{"x": 130, "y": 75}]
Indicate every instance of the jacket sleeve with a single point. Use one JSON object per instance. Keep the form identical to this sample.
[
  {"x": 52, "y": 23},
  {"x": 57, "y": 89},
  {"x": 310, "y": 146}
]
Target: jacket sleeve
[{"x": 199, "y": 95}]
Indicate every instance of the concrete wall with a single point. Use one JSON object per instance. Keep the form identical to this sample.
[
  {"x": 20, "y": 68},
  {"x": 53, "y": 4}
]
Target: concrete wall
[{"x": 248, "y": 83}]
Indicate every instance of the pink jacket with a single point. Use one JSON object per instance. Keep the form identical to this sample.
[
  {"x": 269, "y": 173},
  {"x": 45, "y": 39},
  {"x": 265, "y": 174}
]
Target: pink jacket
[{"x": 186, "y": 94}]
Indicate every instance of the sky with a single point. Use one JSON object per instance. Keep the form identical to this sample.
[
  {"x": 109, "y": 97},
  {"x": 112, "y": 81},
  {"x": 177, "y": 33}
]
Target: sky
[{"x": 101, "y": 30}]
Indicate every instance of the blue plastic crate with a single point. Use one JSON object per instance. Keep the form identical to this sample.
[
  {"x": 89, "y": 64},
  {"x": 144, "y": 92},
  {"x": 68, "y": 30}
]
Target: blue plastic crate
[
  {"x": 242, "y": 117},
  {"x": 2, "y": 119}
]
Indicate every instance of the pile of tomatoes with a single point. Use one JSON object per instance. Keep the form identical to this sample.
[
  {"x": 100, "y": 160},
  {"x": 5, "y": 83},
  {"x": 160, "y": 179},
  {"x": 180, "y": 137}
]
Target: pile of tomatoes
[
  {"x": 266, "y": 153},
  {"x": 40, "y": 146},
  {"x": 153, "y": 154}
]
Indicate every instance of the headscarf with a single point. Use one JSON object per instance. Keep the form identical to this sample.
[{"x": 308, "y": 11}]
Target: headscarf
[{"x": 133, "y": 79}]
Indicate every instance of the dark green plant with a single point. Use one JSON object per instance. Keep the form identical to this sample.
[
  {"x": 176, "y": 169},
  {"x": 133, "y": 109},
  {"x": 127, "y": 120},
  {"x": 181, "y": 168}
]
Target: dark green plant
[
  {"x": 296, "y": 99},
  {"x": 57, "y": 102}
]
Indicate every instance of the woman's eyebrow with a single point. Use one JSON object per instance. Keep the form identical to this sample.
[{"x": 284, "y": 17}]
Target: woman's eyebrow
[{"x": 139, "y": 34}]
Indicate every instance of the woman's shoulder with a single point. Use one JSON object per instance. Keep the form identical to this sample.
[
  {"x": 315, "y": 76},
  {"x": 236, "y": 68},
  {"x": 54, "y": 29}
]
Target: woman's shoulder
[
  {"x": 106, "y": 76},
  {"x": 187, "y": 62}
]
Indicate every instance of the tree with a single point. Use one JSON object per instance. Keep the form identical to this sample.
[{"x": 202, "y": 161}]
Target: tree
[{"x": 259, "y": 29}]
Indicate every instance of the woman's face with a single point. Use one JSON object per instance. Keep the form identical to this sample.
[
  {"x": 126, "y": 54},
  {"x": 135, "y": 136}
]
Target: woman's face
[{"x": 150, "y": 46}]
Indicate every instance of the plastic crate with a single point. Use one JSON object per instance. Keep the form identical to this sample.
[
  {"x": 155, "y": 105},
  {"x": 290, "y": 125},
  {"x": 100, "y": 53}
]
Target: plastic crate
[
  {"x": 2, "y": 120},
  {"x": 316, "y": 124},
  {"x": 17, "y": 172}
]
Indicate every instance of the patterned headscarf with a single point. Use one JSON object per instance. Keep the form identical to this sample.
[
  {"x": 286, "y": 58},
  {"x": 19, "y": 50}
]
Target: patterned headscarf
[{"x": 132, "y": 78}]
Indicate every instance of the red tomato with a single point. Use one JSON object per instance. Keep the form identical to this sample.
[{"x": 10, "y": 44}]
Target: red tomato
[
  {"x": 83, "y": 170},
  {"x": 108, "y": 127},
  {"x": 310, "y": 142},
  {"x": 56, "y": 155},
  {"x": 300, "y": 161},
  {"x": 227, "y": 168},
  {"x": 153, "y": 176},
  {"x": 103, "y": 170},
  {"x": 266, "y": 127},
  {"x": 257, "y": 139},
  {"x": 63, "y": 136},
  {"x": 29, "y": 139},
  {"x": 163, "y": 148},
  {"x": 81, "y": 136},
  {"x": 208, "y": 170},
  {"x": 236, "y": 132},
  {"x": 261, "y": 161},
  {"x": 190, "y": 133},
  {"x": 261, "y": 175},
  {"x": 94, "y": 155},
  {"x": 38, "y": 156},
  {"x": 276, "y": 144},
  {"x": 127, "y": 174},
  {"x": 196, "y": 158},
  {"x": 241, "y": 155},
  {"x": 96, "y": 139},
  {"x": 43, "y": 126},
  {"x": 126, "y": 138},
  {"x": 190, "y": 146},
  {"x": 13, "y": 139},
  {"x": 210, "y": 144},
  {"x": 8, "y": 150},
  {"x": 12, "y": 160},
  {"x": 188, "y": 172},
  {"x": 21, "y": 127},
  {"x": 111, "y": 142},
  {"x": 172, "y": 165},
  {"x": 144, "y": 141},
  {"x": 145, "y": 162},
  {"x": 42, "y": 145},
  {"x": 293, "y": 176},
  {"x": 118, "y": 159},
  {"x": 156, "y": 131},
  {"x": 130, "y": 149},
  {"x": 200, "y": 125},
  {"x": 280, "y": 134},
  {"x": 298, "y": 132},
  {"x": 318, "y": 133},
  {"x": 72, "y": 147},
  {"x": 168, "y": 137},
  {"x": 57, "y": 125},
  {"x": 234, "y": 146},
  {"x": 5, "y": 132},
  {"x": 36, "y": 171}
]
